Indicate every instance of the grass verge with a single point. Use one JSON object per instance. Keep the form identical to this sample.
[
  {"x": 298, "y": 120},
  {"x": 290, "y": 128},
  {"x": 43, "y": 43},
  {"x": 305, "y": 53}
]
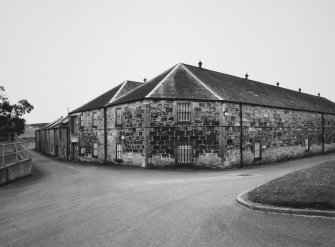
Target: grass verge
[{"x": 312, "y": 188}]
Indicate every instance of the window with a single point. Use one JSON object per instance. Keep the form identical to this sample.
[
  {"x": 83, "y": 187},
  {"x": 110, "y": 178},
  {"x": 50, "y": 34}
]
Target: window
[
  {"x": 95, "y": 149},
  {"x": 74, "y": 125},
  {"x": 95, "y": 119},
  {"x": 184, "y": 154},
  {"x": 82, "y": 150},
  {"x": 81, "y": 120},
  {"x": 306, "y": 144},
  {"x": 257, "y": 150},
  {"x": 184, "y": 112},
  {"x": 119, "y": 151},
  {"x": 118, "y": 116}
]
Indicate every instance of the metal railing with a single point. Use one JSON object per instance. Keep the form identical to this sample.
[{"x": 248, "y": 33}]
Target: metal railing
[{"x": 12, "y": 150}]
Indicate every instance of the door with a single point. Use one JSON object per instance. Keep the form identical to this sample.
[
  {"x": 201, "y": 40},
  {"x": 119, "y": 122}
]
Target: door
[
  {"x": 75, "y": 151},
  {"x": 56, "y": 151}
]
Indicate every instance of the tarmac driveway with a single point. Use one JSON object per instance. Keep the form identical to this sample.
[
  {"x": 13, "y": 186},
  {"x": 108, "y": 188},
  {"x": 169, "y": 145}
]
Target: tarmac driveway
[{"x": 74, "y": 204}]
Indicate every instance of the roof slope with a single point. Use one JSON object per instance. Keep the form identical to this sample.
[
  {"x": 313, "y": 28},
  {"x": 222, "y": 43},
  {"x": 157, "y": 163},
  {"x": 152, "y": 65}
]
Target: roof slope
[
  {"x": 142, "y": 91},
  {"x": 184, "y": 81},
  {"x": 48, "y": 126},
  {"x": 182, "y": 85},
  {"x": 233, "y": 88},
  {"x": 109, "y": 96}
]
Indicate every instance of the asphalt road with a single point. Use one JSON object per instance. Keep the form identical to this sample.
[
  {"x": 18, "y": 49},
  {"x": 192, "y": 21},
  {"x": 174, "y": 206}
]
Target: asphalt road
[{"x": 73, "y": 204}]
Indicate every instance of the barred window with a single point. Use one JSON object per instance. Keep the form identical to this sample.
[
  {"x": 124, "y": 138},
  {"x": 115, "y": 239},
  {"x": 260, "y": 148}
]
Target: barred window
[
  {"x": 74, "y": 125},
  {"x": 95, "y": 149},
  {"x": 118, "y": 116},
  {"x": 81, "y": 120},
  {"x": 306, "y": 144},
  {"x": 184, "y": 154},
  {"x": 257, "y": 150},
  {"x": 184, "y": 112},
  {"x": 119, "y": 151},
  {"x": 95, "y": 119}
]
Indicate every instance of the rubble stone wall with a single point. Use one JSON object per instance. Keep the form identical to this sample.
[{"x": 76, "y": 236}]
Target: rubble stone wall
[
  {"x": 130, "y": 134},
  {"x": 89, "y": 134},
  {"x": 282, "y": 133},
  {"x": 150, "y": 133}
]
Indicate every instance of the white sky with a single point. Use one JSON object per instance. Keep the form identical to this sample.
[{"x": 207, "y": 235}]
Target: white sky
[{"x": 63, "y": 53}]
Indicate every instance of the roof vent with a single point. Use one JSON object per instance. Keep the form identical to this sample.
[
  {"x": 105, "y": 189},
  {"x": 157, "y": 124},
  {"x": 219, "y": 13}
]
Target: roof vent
[
  {"x": 200, "y": 64},
  {"x": 299, "y": 90},
  {"x": 319, "y": 94},
  {"x": 246, "y": 76},
  {"x": 277, "y": 84},
  {"x": 145, "y": 80}
]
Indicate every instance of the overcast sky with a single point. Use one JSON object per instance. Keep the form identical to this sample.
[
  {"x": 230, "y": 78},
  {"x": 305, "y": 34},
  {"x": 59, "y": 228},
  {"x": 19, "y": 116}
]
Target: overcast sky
[{"x": 63, "y": 53}]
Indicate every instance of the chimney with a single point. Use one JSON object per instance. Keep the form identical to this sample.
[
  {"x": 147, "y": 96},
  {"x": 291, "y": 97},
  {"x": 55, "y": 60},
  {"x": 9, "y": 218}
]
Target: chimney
[
  {"x": 145, "y": 80},
  {"x": 246, "y": 76},
  {"x": 299, "y": 90},
  {"x": 319, "y": 94},
  {"x": 200, "y": 64},
  {"x": 277, "y": 84}
]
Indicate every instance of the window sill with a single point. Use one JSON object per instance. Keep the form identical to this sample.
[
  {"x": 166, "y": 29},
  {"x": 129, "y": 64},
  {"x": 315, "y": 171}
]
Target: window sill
[{"x": 183, "y": 122}]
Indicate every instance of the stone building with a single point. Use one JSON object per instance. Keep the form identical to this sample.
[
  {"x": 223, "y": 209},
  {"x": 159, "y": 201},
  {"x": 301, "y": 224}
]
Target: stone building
[
  {"x": 194, "y": 116},
  {"x": 87, "y": 135},
  {"x": 44, "y": 138},
  {"x": 53, "y": 138}
]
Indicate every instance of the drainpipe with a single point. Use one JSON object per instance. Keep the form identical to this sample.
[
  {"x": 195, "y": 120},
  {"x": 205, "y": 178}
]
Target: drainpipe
[
  {"x": 241, "y": 137},
  {"x": 68, "y": 143},
  {"x": 323, "y": 133},
  {"x": 105, "y": 132}
]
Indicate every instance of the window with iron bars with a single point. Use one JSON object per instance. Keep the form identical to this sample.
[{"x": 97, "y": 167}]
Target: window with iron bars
[
  {"x": 184, "y": 154},
  {"x": 95, "y": 149},
  {"x": 74, "y": 125},
  {"x": 118, "y": 114},
  {"x": 257, "y": 150},
  {"x": 95, "y": 119},
  {"x": 184, "y": 112},
  {"x": 81, "y": 120},
  {"x": 119, "y": 151},
  {"x": 306, "y": 144}
]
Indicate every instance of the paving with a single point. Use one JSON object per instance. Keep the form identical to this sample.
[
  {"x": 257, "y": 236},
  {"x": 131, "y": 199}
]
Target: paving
[{"x": 75, "y": 204}]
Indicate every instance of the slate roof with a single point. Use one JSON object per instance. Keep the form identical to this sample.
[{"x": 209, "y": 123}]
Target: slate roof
[
  {"x": 49, "y": 126},
  {"x": 143, "y": 90},
  {"x": 109, "y": 96},
  {"x": 184, "y": 81}
]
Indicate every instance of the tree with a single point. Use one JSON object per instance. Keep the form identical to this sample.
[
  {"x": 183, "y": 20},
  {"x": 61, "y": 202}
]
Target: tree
[{"x": 11, "y": 114}]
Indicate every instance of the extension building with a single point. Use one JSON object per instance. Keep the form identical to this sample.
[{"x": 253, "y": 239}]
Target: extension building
[{"x": 53, "y": 138}]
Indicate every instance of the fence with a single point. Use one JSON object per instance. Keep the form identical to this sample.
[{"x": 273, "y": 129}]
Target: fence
[{"x": 13, "y": 149}]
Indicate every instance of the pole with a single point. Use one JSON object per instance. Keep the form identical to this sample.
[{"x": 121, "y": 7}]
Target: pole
[
  {"x": 323, "y": 133},
  {"x": 105, "y": 133},
  {"x": 3, "y": 154},
  {"x": 241, "y": 136}
]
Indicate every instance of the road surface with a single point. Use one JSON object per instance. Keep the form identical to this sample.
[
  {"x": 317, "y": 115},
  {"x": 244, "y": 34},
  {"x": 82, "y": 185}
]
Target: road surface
[{"x": 75, "y": 204}]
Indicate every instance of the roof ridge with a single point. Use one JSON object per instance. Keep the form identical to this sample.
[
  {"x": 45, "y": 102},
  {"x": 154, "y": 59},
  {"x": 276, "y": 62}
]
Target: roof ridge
[
  {"x": 143, "y": 84},
  {"x": 202, "y": 83},
  {"x": 50, "y": 124},
  {"x": 161, "y": 82},
  {"x": 117, "y": 92}
]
